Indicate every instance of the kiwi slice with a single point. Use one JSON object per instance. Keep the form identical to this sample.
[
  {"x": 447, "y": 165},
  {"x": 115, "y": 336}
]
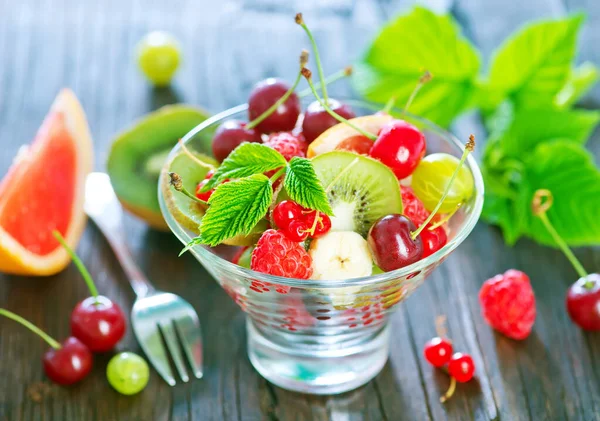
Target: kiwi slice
[
  {"x": 139, "y": 153},
  {"x": 188, "y": 212},
  {"x": 360, "y": 190}
]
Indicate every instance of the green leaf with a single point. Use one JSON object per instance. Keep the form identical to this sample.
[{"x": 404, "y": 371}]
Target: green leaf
[
  {"x": 404, "y": 49},
  {"x": 530, "y": 127},
  {"x": 235, "y": 208},
  {"x": 304, "y": 187},
  {"x": 245, "y": 160},
  {"x": 194, "y": 242},
  {"x": 568, "y": 171},
  {"x": 580, "y": 81},
  {"x": 533, "y": 65}
]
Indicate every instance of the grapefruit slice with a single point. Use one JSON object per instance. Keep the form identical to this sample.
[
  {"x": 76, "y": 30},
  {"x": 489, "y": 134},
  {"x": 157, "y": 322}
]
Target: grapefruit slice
[
  {"x": 333, "y": 136},
  {"x": 44, "y": 191}
]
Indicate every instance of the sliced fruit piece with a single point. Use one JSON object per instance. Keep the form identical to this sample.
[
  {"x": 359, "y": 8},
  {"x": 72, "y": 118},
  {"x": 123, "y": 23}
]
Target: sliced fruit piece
[
  {"x": 340, "y": 255},
  {"x": 44, "y": 191},
  {"x": 138, "y": 154},
  {"x": 332, "y": 137},
  {"x": 360, "y": 189},
  {"x": 187, "y": 212}
]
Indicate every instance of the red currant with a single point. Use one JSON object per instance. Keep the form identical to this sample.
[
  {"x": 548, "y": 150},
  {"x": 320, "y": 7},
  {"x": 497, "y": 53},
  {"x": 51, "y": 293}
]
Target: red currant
[
  {"x": 263, "y": 96},
  {"x": 438, "y": 351},
  {"x": 461, "y": 367},
  {"x": 583, "y": 302},
  {"x": 68, "y": 364},
  {"x": 229, "y": 135},
  {"x": 297, "y": 230},
  {"x": 400, "y": 146},
  {"x": 98, "y": 323},
  {"x": 317, "y": 120},
  {"x": 433, "y": 240},
  {"x": 205, "y": 195},
  {"x": 323, "y": 224},
  {"x": 286, "y": 212}
]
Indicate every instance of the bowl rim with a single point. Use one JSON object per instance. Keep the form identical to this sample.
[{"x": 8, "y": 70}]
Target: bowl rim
[{"x": 413, "y": 268}]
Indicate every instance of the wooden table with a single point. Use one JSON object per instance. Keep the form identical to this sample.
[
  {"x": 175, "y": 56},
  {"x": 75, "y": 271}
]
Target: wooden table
[{"x": 228, "y": 46}]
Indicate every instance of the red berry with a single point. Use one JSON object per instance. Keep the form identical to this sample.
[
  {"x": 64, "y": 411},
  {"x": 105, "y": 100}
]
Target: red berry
[
  {"x": 508, "y": 304},
  {"x": 400, "y": 146},
  {"x": 229, "y": 135},
  {"x": 323, "y": 224},
  {"x": 98, "y": 323},
  {"x": 358, "y": 144},
  {"x": 297, "y": 230},
  {"x": 276, "y": 254},
  {"x": 205, "y": 195},
  {"x": 413, "y": 207},
  {"x": 263, "y": 96},
  {"x": 317, "y": 120},
  {"x": 433, "y": 240},
  {"x": 68, "y": 364},
  {"x": 391, "y": 242},
  {"x": 438, "y": 351},
  {"x": 461, "y": 367},
  {"x": 583, "y": 302},
  {"x": 286, "y": 212},
  {"x": 286, "y": 144}
]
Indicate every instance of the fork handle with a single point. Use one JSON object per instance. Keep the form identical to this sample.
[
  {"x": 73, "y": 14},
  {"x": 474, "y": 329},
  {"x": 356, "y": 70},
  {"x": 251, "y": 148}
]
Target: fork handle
[{"x": 112, "y": 228}]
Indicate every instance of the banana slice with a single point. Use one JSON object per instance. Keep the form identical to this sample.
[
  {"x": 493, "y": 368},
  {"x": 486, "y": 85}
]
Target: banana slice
[{"x": 340, "y": 255}]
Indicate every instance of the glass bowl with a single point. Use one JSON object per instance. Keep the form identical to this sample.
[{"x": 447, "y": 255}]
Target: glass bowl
[{"x": 323, "y": 337}]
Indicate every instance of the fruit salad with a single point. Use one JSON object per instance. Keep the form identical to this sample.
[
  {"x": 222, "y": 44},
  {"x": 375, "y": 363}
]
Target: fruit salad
[{"x": 318, "y": 193}]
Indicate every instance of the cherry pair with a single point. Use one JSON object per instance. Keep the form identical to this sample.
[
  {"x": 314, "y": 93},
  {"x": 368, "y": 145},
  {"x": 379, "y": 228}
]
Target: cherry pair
[{"x": 298, "y": 223}]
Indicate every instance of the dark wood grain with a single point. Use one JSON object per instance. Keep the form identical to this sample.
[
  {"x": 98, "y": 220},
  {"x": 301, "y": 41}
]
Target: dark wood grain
[{"x": 228, "y": 46}]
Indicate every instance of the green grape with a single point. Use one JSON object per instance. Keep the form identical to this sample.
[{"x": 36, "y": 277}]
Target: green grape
[
  {"x": 431, "y": 178},
  {"x": 128, "y": 373},
  {"x": 158, "y": 57}
]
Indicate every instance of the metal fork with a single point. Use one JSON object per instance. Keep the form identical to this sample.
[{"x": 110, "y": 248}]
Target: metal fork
[{"x": 153, "y": 311}]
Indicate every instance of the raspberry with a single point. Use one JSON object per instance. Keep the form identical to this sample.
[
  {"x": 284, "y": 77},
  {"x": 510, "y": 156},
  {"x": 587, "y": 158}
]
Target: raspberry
[
  {"x": 508, "y": 303},
  {"x": 286, "y": 144},
  {"x": 275, "y": 254},
  {"x": 413, "y": 207}
]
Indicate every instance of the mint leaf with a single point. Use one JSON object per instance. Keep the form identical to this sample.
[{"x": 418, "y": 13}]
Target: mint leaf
[
  {"x": 533, "y": 65},
  {"x": 568, "y": 171},
  {"x": 303, "y": 186},
  {"x": 235, "y": 208},
  {"x": 580, "y": 80},
  {"x": 418, "y": 41},
  {"x": 245, "y": 160}
]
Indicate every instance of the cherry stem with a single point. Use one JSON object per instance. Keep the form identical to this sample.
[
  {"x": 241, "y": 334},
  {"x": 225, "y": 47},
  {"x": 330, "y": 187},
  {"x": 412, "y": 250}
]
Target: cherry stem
[
  {"x": 307, "y": 74},
  {"x": 450, "y": 391},
  {"x": 300, "y": 21},
  {"x": 278, "y": 174},
  {"x": 52, "y": 342},
  {"x": 468, "y": 149},
  {"x": 440, "y": 326},
  {"x": 445, "y": 218},
  {"x": 193, "y": 157},
  {"x": 426, "y": 77},
  {"x": 389, "y": 105},
  {"x": 340, "y": 74},
  {"x": 177, "y": 184},
  {"x": 80, "y": 266},
  {"x": 542, "y": 201}
]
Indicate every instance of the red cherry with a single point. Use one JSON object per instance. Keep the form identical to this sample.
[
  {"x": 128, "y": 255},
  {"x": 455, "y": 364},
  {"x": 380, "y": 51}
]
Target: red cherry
[
  {"x": 323, "y": 224},
  {"x": 358, "y": 144},
  {"x": 317, "y": 120},
  {"x": 391, "y": 242},
  {"x": 433, "y": 240},
  {"x": 583, "y": 302},
  {"x": 461, "y": 367},
  {"x": 263, "y": 96},
  {"x": 286, "y": 212},
  {"x": 297, "y": 231},
  {"x": 98, "y": 323},
  {"x": 400, "y": 146},
  {"x": 68, "y": 364},
  {"x": 229, "y": 135},
  {"x": 205, "y": 195},
  {"x": 438, "y": 351}
]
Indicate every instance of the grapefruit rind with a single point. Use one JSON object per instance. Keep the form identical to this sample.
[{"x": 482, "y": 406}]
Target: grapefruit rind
[
  {"x": 16, "y": 259},
  {"x": 330, "y": 138}
]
